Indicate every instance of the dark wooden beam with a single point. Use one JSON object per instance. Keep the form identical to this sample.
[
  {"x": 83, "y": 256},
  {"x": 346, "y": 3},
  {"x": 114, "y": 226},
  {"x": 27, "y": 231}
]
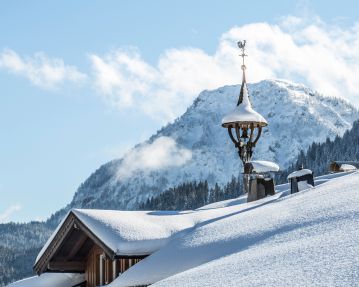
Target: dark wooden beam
[
  {"x": 109, "y": 252},
  {"x": 78, "y": 244},
  {"x": 66, "y": 266}
]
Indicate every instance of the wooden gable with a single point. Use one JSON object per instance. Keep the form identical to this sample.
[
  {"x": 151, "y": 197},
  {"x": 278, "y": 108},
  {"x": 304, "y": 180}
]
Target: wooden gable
[
  {"x": 76, "y": 249},
  {"x": 69, "y": 248}
]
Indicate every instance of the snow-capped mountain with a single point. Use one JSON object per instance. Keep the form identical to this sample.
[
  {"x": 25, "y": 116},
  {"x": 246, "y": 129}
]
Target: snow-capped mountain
[{"x": 196, "y": 147}]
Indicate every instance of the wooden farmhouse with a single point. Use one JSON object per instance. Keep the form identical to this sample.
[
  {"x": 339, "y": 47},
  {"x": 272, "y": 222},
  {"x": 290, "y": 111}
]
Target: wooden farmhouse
[
  {"x": 94, "y": 247},
  {"x": 343, "y": 166}
]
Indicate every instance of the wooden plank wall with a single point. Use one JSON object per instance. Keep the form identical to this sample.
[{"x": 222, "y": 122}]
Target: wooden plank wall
[
  {"x": 93, "y": 267},
  {"x": 124, "y": 264}
]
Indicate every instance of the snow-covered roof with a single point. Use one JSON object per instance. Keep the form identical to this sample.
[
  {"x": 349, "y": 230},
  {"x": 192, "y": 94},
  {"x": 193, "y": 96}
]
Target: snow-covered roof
[
  {"x": 346, "y": 167},
  {"x": 269, "y": 243},
  {"x": 129, "y": 232},
  {"x": 244, "y": 113},
  {"x": 50, "y": 280},
  {"x": 260, "y": 166},
  {"x": 299, "y": 173},
  {"x": 341, "y": 162},
  {"x": 136, "y": 232}
]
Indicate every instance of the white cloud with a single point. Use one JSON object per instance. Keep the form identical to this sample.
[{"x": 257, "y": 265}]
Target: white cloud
[
  {"x": 323, "y": 56},
  {"x": 41, "y": 70},
  {"x": 161, "y": 153},
  {"x": 6, "y": 215}
]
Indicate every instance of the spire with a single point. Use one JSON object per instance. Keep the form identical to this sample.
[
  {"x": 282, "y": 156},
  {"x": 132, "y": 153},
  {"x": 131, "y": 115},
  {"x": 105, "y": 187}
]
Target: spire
[
  {"x": 243, "y": 95},
  {"x": 243, "y": 114}
]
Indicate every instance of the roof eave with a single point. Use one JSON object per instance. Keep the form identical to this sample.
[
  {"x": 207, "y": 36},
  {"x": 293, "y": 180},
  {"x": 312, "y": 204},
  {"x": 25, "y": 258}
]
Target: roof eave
[{"x": 243, "y": 123}]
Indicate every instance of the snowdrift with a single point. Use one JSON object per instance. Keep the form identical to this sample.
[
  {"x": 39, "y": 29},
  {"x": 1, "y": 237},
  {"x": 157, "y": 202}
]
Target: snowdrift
[{"x": 307, "y": 239}]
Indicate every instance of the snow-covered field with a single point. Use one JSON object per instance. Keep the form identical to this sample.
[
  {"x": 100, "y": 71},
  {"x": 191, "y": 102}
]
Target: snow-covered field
[{"x": 307, "y": 239}]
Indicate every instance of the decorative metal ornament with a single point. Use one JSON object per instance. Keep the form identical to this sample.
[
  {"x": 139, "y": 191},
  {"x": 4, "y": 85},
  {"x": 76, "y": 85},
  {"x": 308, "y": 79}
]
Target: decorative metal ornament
[{"x": 244, "y": 124}]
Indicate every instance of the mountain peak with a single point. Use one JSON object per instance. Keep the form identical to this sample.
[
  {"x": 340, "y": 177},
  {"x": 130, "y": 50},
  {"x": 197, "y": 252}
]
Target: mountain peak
[{"x": 195, "y": 147}]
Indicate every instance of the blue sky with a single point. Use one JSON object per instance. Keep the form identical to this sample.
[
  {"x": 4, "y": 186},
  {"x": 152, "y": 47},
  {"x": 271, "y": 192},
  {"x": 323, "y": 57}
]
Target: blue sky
[{"x": 83, "y": 81}]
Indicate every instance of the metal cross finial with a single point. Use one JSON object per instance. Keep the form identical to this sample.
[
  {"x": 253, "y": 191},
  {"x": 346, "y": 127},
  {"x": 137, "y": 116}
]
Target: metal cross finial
[{"x": 242, "y": 46}]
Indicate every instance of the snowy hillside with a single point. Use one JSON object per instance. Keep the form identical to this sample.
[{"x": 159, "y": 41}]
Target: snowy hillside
[
  {"x": 306, "y": 239},
  {"x": 196, "y": 147}
]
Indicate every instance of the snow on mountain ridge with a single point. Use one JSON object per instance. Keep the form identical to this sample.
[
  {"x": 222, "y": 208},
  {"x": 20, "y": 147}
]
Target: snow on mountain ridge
[{"x": 297, "y": 116}]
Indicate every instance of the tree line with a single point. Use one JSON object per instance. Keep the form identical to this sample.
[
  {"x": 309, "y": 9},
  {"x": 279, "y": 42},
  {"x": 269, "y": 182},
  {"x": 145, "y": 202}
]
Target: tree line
[
  {"x": 191, "y": 195},
  {"x": 319, "y": 155}
]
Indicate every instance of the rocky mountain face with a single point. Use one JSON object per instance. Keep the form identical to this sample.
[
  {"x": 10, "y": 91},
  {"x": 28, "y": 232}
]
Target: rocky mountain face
[{"x": 195, "y": 147}]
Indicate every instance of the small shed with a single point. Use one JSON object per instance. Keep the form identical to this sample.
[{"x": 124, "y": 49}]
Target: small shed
[
  {"x": 261, "y": 178},
  {"x": 300, "y": 180},
  {"x": 343, "y": 166}
]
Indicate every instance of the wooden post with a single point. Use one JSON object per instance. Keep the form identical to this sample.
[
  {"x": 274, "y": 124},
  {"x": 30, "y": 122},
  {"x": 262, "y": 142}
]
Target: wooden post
[
  {"x": 114, "y": 269},
  {"x": 102, "y": 281}
]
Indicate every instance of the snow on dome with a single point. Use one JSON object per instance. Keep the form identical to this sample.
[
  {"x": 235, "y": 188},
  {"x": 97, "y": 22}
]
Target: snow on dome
[
  {"x": 299, "y": 173},
  {"x": 244, "y": 113},
  {"x": 50, "y": 279},
  {"x": 264, "y": 166},
  {"x": 347, "y": 167}
]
